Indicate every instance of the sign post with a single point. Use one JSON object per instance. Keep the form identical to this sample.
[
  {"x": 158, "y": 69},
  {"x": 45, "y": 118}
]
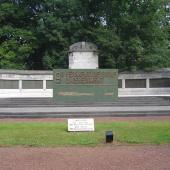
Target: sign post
[{"x": 80, "y": 125}]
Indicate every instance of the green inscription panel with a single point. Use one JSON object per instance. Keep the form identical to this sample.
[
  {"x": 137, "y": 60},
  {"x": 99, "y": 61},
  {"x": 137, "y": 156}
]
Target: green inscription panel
[{"x": 85, "y": 85}]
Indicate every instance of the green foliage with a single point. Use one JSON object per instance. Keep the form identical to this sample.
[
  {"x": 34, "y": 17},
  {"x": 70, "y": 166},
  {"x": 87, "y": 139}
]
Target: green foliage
[
  {"x": 37, "y": 34},
  {"x": 18, "y": 44}
]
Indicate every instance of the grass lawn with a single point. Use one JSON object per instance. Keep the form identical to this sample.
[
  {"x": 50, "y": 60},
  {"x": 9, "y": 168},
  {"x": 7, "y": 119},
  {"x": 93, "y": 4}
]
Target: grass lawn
[{"x": 55, "y": 134}]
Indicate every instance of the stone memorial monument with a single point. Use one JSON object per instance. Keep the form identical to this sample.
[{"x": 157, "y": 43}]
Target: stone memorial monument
[{"x": 83, "y": 82}]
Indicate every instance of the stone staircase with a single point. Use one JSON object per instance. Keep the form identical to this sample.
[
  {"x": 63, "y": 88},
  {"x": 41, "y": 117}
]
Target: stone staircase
[
  {"x": 48, "y": 102},
  {"x": 46, "y": 107}
]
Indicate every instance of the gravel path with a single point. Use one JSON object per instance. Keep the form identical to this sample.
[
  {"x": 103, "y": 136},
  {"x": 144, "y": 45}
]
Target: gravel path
[{"x": 109, "y": 157}]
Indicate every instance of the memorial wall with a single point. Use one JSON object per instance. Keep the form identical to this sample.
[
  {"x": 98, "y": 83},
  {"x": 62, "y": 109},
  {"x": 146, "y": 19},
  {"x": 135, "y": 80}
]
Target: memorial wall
[{"x": 40, "y": 83}]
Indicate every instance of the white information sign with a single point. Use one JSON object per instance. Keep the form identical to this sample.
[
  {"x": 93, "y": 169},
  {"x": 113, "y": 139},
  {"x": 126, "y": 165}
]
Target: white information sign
[{"x": 77, "y": 125}]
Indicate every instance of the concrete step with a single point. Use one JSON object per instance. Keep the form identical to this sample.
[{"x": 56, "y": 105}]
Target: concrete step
[
  {"x": 84, "y": 115},
  {"x": 84, "y": 110},
  {"x": 86, "y": 105},
  {"x": 123, "y": 101}
]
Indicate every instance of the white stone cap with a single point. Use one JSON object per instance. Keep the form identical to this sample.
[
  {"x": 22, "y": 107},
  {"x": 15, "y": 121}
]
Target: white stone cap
[{"x": 83, "y": 47}]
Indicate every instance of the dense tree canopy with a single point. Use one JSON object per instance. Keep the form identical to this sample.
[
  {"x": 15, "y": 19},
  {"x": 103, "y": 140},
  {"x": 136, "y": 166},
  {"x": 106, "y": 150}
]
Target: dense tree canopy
[{"x": 36, "y": 34}]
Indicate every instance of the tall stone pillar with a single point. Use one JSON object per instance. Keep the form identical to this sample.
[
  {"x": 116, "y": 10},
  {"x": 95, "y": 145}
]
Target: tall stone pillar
[{"x": 83, "y": 55}]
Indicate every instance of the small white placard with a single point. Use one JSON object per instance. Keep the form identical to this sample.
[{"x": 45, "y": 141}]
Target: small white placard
[{"x": 77, "y": 125}]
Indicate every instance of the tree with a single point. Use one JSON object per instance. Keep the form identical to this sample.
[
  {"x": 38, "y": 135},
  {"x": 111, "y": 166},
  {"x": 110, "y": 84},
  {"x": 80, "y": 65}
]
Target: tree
[{"x": 129, "y": 33}]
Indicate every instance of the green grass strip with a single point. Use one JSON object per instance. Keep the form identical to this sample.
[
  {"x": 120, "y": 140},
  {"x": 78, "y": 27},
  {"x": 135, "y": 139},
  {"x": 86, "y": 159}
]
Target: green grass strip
[{"x": 55, "y": 134}]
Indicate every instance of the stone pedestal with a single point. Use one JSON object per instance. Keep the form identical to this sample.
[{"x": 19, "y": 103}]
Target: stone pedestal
[{"x": 83, "y": 55}]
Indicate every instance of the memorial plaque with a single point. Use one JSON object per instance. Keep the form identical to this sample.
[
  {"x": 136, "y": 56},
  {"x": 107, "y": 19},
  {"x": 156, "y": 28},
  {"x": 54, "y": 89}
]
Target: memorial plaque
[
  {"x": 79, "y": 125},
  {"x": 85, "y": 85}
]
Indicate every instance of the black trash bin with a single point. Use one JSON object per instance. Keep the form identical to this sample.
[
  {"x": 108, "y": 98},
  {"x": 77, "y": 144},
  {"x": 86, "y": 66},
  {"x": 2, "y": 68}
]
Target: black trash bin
[{"x": 109, "y": 136}]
